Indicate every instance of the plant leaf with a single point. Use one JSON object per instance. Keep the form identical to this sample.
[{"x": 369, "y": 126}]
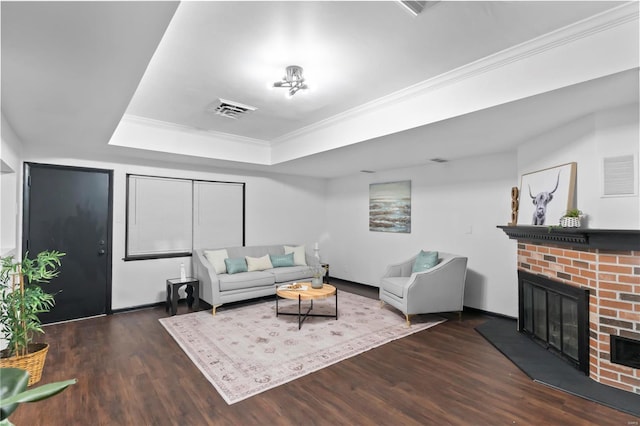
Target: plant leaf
[{"x": 38, "y": 393}]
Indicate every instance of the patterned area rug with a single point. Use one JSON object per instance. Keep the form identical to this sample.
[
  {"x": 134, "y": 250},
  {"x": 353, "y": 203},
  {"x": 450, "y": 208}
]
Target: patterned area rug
[{"x": 245, "y": 350}]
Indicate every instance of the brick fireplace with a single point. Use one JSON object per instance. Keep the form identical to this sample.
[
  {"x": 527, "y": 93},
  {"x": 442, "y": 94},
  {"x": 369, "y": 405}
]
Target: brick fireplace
[{"x": 607, "y": 263}]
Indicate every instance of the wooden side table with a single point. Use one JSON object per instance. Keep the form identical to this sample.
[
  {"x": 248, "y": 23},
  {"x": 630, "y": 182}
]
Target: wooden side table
[{"x": 193, "y": 294}]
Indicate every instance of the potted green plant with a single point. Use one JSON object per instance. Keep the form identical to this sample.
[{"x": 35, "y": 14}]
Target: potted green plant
[
  {"x": 21, "y": 300},
  {"x": 14, "y": 391},
  {"x": 571, "y": 219}
]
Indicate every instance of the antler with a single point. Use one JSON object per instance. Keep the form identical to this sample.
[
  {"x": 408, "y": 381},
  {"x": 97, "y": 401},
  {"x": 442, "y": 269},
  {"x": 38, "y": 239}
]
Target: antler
[
  {"x": 557, "y": 182},
  {"x": 530, "y": 194}
]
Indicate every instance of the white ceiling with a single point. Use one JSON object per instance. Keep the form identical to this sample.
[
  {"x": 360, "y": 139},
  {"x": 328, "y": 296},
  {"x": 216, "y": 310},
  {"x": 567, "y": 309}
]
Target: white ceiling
[{"x": 76, "y": 68}]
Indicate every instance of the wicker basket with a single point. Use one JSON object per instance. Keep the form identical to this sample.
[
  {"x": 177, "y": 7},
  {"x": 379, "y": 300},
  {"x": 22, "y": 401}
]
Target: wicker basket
[{"x": 33, "y": 362}]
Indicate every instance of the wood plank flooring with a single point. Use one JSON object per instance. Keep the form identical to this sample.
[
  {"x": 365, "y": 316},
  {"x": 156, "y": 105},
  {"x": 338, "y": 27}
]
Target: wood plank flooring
[{"x": 131, "y": 372}]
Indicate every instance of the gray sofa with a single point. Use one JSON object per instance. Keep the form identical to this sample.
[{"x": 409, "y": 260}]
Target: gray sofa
[{"x": 218, "y": 289}]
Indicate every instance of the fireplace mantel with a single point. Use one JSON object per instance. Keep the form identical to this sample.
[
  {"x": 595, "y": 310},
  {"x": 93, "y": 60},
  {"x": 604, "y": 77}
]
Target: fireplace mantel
[{"x": 607, "y": 239}]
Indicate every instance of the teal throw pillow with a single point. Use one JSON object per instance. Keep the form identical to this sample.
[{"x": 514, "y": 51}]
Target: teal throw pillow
[
  {"x": 281, "y": 260},
  {"x": 425, "y": 261},
  {"x": 236, "y": 265}
]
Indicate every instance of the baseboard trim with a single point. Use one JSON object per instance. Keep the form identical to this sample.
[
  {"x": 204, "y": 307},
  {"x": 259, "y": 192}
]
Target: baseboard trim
[{"x": 489, "y": 313}]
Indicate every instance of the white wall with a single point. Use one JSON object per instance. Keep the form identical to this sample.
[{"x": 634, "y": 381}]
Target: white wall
[
  {"x": 587, "y": 141},
  {"x": 279, "y": 209},
  {"x": 455, "y": 208},
  {"x": 10, "y": 172}
]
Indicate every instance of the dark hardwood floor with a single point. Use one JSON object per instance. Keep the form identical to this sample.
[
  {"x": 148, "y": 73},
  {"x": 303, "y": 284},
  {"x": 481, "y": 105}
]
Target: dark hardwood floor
[{"x": 131, "y": 372}]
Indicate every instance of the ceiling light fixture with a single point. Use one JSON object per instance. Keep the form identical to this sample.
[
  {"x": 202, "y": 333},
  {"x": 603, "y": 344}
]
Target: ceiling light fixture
[{"x": 293, "y": 80}]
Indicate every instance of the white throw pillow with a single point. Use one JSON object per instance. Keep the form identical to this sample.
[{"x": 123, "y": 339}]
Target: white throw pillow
[
  {"x": 216, "y": 258},
  {"x": 258, "y": 263},
  {"x": 299, "y": 257}
]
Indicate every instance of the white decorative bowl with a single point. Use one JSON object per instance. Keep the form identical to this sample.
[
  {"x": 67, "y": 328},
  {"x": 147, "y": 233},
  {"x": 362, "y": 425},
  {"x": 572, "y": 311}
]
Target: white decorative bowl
[{"x": 570, "y": 222}]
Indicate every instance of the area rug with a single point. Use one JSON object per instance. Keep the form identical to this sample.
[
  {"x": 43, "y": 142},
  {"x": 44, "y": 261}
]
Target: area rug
[{"x": 244, "y": 350}]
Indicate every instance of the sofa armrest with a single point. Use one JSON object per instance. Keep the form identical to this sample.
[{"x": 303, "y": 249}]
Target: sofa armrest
[{"x": 204, "y": 271}]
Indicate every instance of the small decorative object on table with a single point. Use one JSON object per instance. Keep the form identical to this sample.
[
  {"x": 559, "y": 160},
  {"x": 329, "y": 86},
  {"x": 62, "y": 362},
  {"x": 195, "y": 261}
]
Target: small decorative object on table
[
  {"x": 571, "y": 219},
  {"x": 318, "y": 273}
]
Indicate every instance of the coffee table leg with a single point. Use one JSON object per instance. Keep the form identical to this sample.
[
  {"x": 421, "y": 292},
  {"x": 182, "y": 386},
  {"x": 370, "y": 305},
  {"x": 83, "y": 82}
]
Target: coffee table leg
[
  {"x": 336, "y": 304},
  {"x": 299, "y": 321}
]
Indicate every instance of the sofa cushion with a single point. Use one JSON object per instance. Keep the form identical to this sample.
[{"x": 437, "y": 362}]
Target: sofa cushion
[
  {"x": 299, "y": 256},
  {"x": 394, "y": 285},
  {"x": 216, "y": 258},
  {"x": 282, "y": 260},
  {"x": 291, "y": 273},
  {"x": 245, "y": 280},
  {"x": 425, "y": 261},
  {"x": 258, "y": 263},
  {"x": 236, "y": 265}
]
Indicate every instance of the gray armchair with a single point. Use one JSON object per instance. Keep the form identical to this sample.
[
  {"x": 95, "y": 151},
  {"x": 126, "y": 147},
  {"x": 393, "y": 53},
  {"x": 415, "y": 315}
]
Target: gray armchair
[{"x": 439, "y": 289}]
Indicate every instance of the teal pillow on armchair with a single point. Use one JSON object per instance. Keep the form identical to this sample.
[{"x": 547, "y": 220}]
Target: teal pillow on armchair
[{"x": 425, "y": 261}]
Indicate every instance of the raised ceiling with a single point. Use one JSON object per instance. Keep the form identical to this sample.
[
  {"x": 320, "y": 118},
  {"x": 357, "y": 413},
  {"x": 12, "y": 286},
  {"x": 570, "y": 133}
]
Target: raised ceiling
[{"x": 78, "y": 68}]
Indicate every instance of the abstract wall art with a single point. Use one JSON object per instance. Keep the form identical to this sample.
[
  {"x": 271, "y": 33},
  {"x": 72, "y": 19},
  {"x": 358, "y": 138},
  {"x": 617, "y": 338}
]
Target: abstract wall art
[{"x": 390, "y": 207}]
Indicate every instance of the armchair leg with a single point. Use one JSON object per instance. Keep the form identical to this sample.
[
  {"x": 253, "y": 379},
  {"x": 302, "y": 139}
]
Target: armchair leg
[
  {"x": 460, "y": 316},
  {"x": 408, "y": 320},
  {"x": 381, "y": 303},
  {"x": 213, "y": 311}
]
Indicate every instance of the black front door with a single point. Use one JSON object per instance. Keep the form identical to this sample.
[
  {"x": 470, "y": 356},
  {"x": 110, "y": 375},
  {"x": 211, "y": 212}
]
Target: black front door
[{"x": 69, "y": 209}]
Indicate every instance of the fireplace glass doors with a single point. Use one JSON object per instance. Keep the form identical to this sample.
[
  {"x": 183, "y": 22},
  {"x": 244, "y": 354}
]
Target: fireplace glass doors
[{"x": 556, "y": 315}]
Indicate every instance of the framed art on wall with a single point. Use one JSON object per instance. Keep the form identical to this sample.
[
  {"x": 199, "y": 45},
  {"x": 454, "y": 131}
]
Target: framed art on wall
[
  {"x": 390, "y": 207},
  {"x": 546, "y": 195}
]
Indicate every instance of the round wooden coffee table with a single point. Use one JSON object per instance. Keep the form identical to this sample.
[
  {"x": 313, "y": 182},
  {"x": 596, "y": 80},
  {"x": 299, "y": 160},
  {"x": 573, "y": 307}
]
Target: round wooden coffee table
[{"x": 310, "y": 294}]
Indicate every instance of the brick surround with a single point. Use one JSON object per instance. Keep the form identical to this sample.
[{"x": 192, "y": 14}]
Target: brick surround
[{"x": 613, "y": 280}]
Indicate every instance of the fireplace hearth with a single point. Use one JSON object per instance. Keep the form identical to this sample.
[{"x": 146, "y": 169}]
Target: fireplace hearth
[{"x": 556, "y": 316}]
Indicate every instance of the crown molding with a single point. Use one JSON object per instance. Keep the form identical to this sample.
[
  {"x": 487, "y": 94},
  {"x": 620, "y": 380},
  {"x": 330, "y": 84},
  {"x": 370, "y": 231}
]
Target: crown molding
[
  {"x": 603, "y": 21},
  {"x": 165, "y": 125}
]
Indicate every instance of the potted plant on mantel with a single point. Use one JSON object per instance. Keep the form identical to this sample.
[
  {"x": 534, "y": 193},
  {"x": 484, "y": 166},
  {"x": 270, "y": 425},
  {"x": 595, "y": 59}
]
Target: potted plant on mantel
[
  {"x": 571, "y": 219},
  {"x": 21, "y": 300}
]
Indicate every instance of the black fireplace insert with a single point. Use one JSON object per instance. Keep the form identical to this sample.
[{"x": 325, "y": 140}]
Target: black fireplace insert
[
  {"x": 625, "y": 351},
  {"x": 556, "y": 316}
]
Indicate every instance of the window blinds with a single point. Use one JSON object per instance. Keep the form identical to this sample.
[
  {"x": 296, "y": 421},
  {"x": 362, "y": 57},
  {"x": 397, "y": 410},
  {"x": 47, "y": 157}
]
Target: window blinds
[{"x": 169, "y": 217}]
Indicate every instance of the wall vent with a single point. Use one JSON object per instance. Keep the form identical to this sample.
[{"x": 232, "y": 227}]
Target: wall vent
[
  {"x": 229, "y": 109},
  {"x": 619, "y": 176}
]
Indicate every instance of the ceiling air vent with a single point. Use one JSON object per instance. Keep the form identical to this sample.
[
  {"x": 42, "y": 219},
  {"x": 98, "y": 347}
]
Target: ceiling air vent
[{"x": 229, "y": 109}]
